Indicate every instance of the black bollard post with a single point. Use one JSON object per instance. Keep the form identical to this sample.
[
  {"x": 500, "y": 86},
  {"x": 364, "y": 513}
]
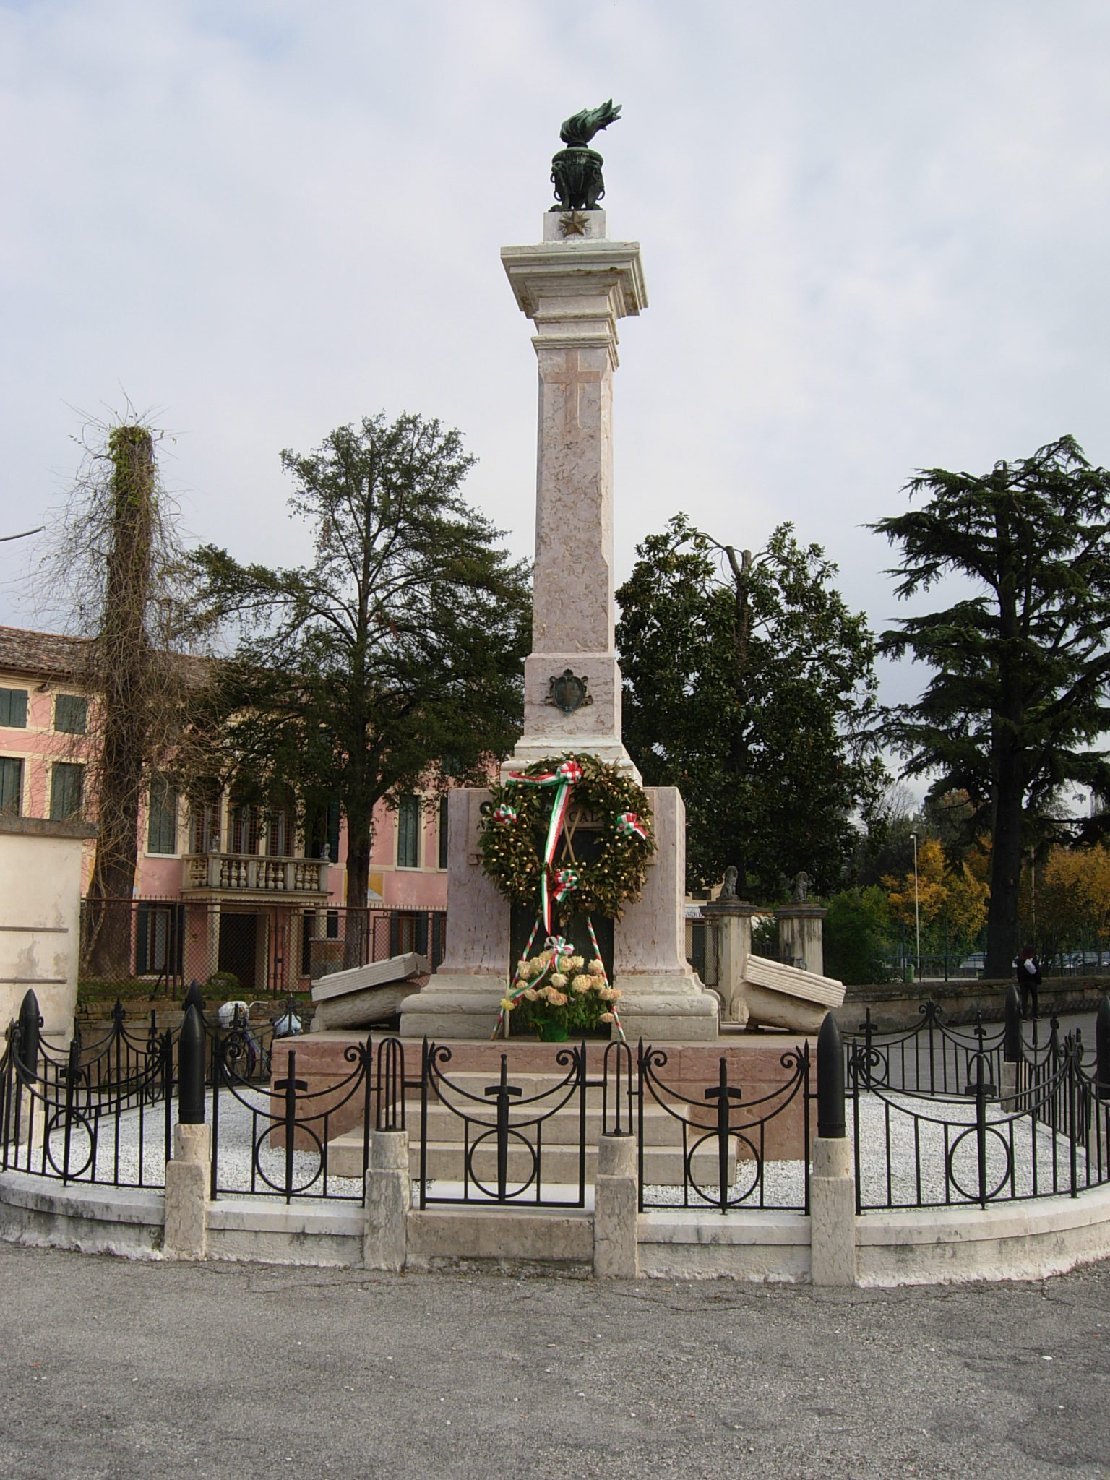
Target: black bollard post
[
  {"x": 190, "y": 1069},
  {"x": 1102, "y": 1049},
  {"x": 30, "y": 1021},
  {"x": 831, "y": 1122},
  {"x": 1011, "y": 1016},
  {"x": 194, "y": 997}
]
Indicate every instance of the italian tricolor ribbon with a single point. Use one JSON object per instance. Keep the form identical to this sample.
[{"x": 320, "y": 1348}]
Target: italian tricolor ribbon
[{"x": 563, "y": 778}]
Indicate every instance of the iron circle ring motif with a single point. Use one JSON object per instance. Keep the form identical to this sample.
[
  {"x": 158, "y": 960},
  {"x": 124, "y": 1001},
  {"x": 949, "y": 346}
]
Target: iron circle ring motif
[
  {"x": 56, "y": 1127},
  {"x": 972, "y": 1194},
  {"x": 316, "y": 1149},
  {"x": 739, "y": 1192},
  {"x": 515, "y": 1190}
]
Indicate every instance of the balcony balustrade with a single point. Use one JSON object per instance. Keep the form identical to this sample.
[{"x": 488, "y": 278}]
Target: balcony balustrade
[{"x": 251, "y": 873}]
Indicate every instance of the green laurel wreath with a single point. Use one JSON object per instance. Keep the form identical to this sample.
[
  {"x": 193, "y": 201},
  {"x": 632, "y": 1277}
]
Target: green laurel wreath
[{"x": 514, "y": 831}]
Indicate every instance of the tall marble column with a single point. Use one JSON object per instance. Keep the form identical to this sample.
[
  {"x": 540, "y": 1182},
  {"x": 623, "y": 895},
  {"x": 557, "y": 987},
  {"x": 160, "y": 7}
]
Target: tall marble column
[{"x": 574, "y": 286}]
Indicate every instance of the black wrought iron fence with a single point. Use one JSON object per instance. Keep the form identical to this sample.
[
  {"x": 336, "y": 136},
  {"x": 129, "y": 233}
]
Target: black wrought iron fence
[
  {"x": 276, "y": 1137},
  {"x": 513, "y": 1137},
  {"x": 727, "y": 1137},
  {"x": 504, "y": 1142},
  {"x": 97, "y": 1113},
  {"x": 942, "y": 1118},
  {"x": 958, "y": 1120}
]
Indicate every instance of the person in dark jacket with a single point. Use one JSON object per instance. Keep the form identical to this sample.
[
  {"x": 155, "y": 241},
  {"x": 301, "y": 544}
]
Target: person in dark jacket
[{"x": 1029, "y": 981}]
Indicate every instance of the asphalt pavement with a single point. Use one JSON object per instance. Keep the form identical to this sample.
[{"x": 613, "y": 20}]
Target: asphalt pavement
[{"x": 117, "y": 1369}]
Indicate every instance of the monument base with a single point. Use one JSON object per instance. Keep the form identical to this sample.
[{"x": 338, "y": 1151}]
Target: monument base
[
  {"x": 669, "y": 1008},
  {"x": 661, "y": 996},
  {"x": 455, "y": 1004}
]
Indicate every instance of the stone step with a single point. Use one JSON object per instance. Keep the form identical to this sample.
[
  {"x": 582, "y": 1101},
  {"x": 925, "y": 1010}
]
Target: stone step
[
  {"x": 561, "y": 1128},
  {"x": 663, "y": 1165}
]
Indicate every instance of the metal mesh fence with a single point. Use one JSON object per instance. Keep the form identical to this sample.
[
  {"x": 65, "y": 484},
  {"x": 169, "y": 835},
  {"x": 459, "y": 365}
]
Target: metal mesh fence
[{"x": 247, "y": 951}]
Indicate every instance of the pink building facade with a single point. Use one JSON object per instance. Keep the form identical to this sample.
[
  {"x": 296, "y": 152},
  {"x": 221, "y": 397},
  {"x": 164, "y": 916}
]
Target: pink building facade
[{"x": 223, "y": 884}]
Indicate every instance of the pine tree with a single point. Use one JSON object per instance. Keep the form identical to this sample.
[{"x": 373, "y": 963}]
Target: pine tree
[{"x": 1018, "y": 699}]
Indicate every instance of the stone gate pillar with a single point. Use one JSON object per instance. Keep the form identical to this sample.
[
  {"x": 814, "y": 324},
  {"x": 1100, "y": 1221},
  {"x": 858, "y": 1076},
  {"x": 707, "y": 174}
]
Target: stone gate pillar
[{"x": 801, "y": 933}]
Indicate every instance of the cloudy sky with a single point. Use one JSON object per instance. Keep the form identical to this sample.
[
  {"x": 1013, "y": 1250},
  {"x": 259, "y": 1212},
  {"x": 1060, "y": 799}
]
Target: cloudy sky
[{"x": 876, "y": 237}]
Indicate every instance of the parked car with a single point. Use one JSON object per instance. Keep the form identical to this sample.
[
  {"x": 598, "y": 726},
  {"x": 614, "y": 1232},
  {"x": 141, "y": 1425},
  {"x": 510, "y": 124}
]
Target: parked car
[{"x": 975, "y": 962}]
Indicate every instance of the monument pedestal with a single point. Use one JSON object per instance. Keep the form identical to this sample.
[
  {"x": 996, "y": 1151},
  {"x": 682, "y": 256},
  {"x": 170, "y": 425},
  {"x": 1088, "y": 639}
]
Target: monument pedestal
[
  {"x": 662, "y": 997},
  {"x": 462, "y": 998}
]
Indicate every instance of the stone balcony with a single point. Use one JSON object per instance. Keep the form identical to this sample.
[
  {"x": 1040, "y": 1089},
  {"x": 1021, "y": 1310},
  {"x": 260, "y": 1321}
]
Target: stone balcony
[{"x": 251, "y": 875}]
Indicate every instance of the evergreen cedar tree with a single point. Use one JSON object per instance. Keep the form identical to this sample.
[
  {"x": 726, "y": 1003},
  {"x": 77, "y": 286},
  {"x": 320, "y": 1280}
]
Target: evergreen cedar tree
[
  {"x": 1018, "y": 699},
  {"x": 395, "y": 656},
  {"x": 749, "y": 685}
]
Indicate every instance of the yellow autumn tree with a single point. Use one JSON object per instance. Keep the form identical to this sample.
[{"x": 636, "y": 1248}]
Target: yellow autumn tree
[
  {"x": 1073, "y": 894},
  {"x": 951, "y": 896},
  {"x": 929, "y": 894}
]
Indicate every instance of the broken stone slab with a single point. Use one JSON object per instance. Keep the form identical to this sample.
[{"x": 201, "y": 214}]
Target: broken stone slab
[
  {"x": 362, "y": 995},
  {"x": 777, "y": 996}
]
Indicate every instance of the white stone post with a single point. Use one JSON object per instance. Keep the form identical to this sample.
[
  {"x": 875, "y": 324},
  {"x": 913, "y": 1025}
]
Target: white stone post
[
  {"x": 388, "y": 1201},
  {"x": 187, "y": 1176},
  {"x": 832, "y": 1212},
  {"x": 616, "y": 1210}
]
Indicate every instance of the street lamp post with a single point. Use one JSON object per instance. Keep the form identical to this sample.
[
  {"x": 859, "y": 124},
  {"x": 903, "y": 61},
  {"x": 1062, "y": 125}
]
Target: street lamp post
[{"x": 916, "y": 912}]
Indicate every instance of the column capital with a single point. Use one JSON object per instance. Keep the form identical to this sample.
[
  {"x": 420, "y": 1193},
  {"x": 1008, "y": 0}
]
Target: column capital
[
  {"x": 554, "y": 282},
  {"x": 800, "y": 911}
]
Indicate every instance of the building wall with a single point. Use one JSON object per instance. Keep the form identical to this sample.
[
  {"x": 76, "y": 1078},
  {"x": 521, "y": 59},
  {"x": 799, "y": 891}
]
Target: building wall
[
  {"x": 40, "y": 747},
  {"x": 40, "y": 873}
]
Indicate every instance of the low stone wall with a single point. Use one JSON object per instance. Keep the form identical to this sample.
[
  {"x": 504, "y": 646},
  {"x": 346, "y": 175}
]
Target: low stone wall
[
  {"x": 1028, "y": 1240},
  {"x": 95, "y": 1220},
  {"x": 1024, "y": 1240},
  {"x": 896, "y": 1006}
]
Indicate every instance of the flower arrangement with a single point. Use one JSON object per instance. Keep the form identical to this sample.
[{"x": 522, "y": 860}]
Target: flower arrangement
[{"x": 557, "y": 995}]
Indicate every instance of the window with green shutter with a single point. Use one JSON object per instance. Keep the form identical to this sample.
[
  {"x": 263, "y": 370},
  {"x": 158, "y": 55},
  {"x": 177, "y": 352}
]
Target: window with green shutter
[
  {"x": 11, "y": 785},
  {"x": 71, "y": 714},
  {"x": 67, "y": 783},
  {"x": 161, "y": 832},
  {"x": 408, "y": 832},
  {"x": 13, "y": 708}
]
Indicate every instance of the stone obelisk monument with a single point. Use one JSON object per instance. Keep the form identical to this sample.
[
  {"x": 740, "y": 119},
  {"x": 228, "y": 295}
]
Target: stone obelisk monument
[{"x": 573, "y": 285}]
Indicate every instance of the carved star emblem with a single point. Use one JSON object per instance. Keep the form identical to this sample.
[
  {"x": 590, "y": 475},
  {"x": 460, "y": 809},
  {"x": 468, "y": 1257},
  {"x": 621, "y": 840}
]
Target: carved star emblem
[{"x": 574, "y": 223}]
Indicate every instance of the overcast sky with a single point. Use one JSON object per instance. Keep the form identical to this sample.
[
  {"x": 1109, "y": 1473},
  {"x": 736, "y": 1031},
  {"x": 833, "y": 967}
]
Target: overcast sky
[{"x": 876, "y": 236}]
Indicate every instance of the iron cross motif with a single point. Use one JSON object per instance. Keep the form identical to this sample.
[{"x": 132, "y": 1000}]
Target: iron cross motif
[
  {"x": 503, "y": 1092},
  {"x": 723, "y": 1093}
]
